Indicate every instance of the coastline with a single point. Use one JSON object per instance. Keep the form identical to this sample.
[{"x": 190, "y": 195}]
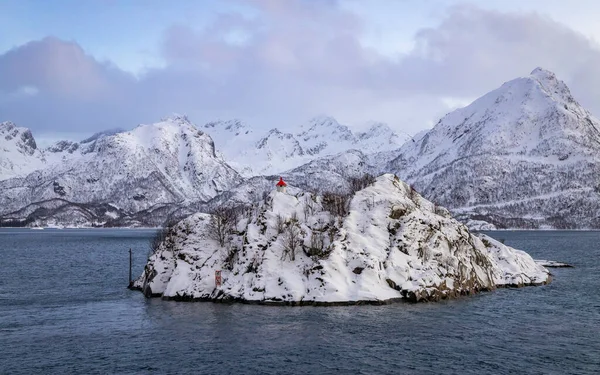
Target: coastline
[{"x": 405, "y": 299}]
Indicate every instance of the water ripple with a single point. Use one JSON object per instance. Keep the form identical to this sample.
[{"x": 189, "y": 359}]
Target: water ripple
[{"x": 64, "y": 309}]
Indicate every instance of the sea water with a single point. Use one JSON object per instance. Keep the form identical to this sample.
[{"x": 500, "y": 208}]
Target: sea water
[{"x": 64, "y": 308}]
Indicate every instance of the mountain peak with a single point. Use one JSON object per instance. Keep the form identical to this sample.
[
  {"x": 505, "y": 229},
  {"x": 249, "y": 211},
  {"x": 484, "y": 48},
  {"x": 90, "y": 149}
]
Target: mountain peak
[
  {"x": 102, "y": 134},
  {"x": 7, "y": 125},
  {"x": 543, "y": 74},
  {"x": 235, "y": 126},
  {"x": 324, "y": 120},
  {"x": 177, "y": 118},
  {"x": 377, "y": 128},
  {"x": 481, "y": 157},
  {"x": 321, "y": 127},
  {"x": 554, "y": 87},
  {"x": 19, "y": 153},
  {"x": 21, "y": 136}
]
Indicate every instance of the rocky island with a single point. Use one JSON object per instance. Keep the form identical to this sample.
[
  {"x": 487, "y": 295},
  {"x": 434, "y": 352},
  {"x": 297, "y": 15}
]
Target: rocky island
[{"x": 383, "y": 242}]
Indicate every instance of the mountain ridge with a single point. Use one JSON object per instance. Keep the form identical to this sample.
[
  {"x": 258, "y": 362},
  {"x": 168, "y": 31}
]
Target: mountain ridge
[
  {"x": 527, "y": 139},
  {"x": 167, "y": 164},
  {"x": 525, "y": 155},
  {"x": 280, "y": 149}
]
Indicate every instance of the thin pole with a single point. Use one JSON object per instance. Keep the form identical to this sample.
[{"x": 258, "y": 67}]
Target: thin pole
[{"x": 130, "y": 262}]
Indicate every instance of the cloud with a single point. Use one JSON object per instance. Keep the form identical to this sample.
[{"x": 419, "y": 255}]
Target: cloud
[
  {"x": 57, "y": 66},
  {"x": 475, "y": 49},
  {"x": 291, "y": 60}
]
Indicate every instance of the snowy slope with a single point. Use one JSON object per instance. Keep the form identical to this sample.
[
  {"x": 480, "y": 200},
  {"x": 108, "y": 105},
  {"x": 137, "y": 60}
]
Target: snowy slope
[
  {"x": 392, "y": 244},
  {"x": 524, "y": 155},
  {"x": 153, "y": 166},
  {"x": 19, "y": 153},
  {"x": 325, "y": 174},
  {"x": 278, "y": 150}
]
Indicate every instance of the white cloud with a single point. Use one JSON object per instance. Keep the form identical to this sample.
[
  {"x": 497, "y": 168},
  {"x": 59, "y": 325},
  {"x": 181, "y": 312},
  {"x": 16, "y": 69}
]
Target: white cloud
[{"x": 292, "y": 60}]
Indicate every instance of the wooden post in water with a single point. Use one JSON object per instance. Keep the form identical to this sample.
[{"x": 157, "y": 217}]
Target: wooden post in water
[{"x": 130, "y": 261}]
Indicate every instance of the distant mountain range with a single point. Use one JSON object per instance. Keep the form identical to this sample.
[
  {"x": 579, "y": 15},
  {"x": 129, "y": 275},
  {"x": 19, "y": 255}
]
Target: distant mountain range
[
  {"x": 525, "y": 155},
  {"x": 278, "y": 150},
  {"x": 139, "y": 177}
]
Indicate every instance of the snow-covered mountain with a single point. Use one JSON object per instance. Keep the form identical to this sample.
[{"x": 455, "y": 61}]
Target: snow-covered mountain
[
  {"x": 254, "y": 153},
  {"x": 524, "y": 155},
  {"x": 136, "y": 177},
  {"x": 325, "y": 174},
  {"x": 390, "y": 244},
  {"x": 19, "y": 153}
]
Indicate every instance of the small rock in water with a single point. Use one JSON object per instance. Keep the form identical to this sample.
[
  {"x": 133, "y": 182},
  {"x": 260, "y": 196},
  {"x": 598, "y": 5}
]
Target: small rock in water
[{"x": 552, "y": 264}]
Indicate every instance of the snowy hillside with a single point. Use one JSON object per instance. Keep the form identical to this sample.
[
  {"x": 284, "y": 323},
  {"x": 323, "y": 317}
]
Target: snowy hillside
[
  {"x": 524, "y": 155},
  {"x": 278, "y": 150},
  {"x": 140, "y": 176},
  {"x": 386, "y": 243},
  {"x": 325, "y": 174},
  {"x": 19, "y": 153}
]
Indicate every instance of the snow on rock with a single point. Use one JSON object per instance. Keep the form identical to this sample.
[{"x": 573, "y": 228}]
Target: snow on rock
[
  {"x": 390, "y": 244},
  {"x": 479, "y": 225},
  {"x": 151, "y": 170},
  {"x": 19, "y": 153},
  {"x": 525, "y": 155},
  {"x": 283, "y": 149},
  {"x": 552, "y": 264}
]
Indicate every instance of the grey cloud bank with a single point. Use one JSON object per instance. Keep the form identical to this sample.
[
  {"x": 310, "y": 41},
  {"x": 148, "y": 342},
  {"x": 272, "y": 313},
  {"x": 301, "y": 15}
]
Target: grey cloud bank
[{"x": 292, "y": 61}]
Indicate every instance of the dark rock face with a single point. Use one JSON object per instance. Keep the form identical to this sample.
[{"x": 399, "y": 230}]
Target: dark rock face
[
  {"x": 61, "y": 146},
  {"x": 23, "y": 137},
  {"x": 29, "y": 144},
  {"x": 58, "y": 189},
  {"x": 392, "y": 284}
]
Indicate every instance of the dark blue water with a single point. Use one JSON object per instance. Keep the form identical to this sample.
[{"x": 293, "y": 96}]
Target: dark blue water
[{"x": 64, "y": 309}]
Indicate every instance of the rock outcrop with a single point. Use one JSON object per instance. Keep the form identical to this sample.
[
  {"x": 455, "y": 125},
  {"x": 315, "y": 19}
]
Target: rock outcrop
[{"x": 383, "y": 244}]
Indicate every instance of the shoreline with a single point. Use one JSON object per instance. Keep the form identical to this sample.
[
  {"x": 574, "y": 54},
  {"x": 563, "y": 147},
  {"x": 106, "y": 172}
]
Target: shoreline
[{"x": 408, "y": 298}]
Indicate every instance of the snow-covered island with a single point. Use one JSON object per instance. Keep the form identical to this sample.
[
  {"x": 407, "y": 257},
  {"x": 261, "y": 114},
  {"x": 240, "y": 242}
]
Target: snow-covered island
[{"x": 383, "y": 243}]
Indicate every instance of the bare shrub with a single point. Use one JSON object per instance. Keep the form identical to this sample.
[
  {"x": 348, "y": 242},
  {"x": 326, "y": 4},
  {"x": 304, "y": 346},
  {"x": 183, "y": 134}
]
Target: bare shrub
[
  {"x": 232, "y": 256},
  {"x": 279, "y": 224},
  {"x": 221, "y": 223},
  {"x": 336, "y": 204},
  {"x": 164, "y": 235},
  {"x": 317, "y": 242},
  {"x": 292, "y": 238},
  {"x": 331, "y": 230},
  {"x": 359, "y": 183}
]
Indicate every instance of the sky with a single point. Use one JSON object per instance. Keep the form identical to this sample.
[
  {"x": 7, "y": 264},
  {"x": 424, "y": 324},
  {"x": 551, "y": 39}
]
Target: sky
[{"x": 71, "y": 68}]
